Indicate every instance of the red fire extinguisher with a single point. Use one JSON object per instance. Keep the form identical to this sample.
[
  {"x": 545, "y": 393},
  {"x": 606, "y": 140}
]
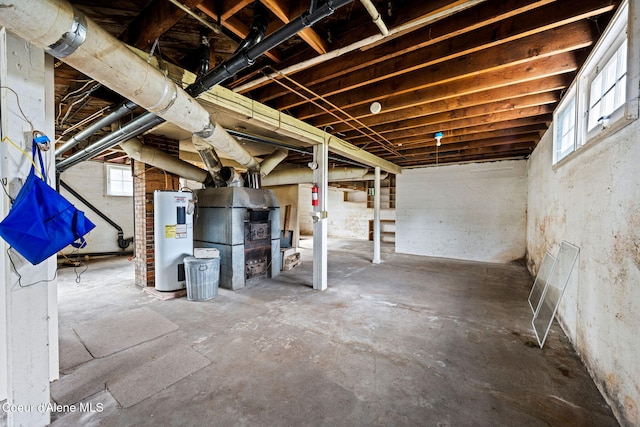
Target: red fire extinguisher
[{"x": 314, "y": 195}]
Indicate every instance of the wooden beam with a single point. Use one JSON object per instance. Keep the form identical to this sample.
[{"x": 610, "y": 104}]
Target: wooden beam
[
  {"x": 462, "y": 49},
  {"x": 541, "y": 121},
  {"x": 460, "y": 123},
  {"x": 308, "y": 34},
  {"x": 155, "y": 20},
  {"x": 443, "y": 118},
  {"x": 402, "y": 118},
  {"x": 464, "y": 22},
  {"x": 537, "y": 69},
  {"x": 482, "y": 140},
  {"x": 464, "y": 136},
  {"x": 520, "y": 52},
  {"x": 520, "y": 152},
  {"x": 427, "y": 12},
  {"x": 232, "y": 23}
]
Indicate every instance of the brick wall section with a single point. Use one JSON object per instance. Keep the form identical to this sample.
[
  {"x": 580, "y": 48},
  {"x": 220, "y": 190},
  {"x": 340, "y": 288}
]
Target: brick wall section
[{"x": 146, "y": 180}]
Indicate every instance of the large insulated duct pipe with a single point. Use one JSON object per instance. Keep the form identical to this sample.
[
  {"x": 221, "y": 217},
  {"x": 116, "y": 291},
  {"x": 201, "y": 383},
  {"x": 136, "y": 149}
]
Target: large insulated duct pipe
[
  {"x": 230, "y": 67},
  {"x": 154, "y": 157},
  {"x": 305, "y": 176},
  {"x": 88, "y": 48},
  {"x": 273, "y": 160}
]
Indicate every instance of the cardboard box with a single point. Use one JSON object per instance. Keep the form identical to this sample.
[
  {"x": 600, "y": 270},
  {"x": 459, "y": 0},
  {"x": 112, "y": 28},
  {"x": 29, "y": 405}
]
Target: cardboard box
[{"x": 206, "y": 253}]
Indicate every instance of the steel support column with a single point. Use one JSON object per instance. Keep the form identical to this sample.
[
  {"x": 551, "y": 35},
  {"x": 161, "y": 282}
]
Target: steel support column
[
  {"x": 320, "y": 221},
  {"x": 376, "y": 217}
]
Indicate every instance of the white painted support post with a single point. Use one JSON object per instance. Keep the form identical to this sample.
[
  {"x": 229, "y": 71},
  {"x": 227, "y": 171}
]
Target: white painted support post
[
  {"x": 28, "y": 302},
  {"x": 320, "y": 221},
  {"x": 376, "y": 216}
]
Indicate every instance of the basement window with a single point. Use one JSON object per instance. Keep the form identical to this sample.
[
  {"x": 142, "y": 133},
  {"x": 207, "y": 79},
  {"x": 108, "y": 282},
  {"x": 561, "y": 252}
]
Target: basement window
[
  {"x": 565, "y": 128},
  {"x": 600, "y": 101},
  {"x": 608, "y": 89},
  {"x": 119, "y": 180}
]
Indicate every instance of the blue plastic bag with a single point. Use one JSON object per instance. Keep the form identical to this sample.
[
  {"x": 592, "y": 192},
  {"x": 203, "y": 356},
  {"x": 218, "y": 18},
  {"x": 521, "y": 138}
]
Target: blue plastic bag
[{"x": 41, "y": 222}]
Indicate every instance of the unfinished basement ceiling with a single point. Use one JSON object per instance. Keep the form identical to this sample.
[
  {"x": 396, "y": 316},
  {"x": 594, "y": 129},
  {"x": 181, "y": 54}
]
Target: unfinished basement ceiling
[{"x": 487, "y": 74}]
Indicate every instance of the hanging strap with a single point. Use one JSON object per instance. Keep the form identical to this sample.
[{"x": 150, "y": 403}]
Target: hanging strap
[{"x": 35, "y": 149}]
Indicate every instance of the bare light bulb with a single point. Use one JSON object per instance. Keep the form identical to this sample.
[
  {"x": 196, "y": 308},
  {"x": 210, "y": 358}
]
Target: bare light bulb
[{"x": 438, "y": 137}]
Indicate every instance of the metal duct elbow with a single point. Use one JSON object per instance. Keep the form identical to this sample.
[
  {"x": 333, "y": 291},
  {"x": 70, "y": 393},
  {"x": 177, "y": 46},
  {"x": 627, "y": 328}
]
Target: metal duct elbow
[
  {"x": 154, "y": 157},
  {"x": 232, "y": 177},
  {"x": 218, "y": 137}
]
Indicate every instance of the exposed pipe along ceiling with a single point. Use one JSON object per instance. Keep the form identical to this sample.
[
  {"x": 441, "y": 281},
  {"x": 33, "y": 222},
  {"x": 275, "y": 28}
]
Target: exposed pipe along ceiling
[{"x": 210, "y": 135}]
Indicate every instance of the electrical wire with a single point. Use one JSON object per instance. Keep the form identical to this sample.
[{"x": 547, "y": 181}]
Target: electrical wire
[
  {"x": 24, "y": 116},
  {"x": 379, "y": 141},
  {"x": 15, "y": 270}
]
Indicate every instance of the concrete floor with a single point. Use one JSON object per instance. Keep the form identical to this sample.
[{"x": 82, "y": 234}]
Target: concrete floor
[{"x": 412, "y": 341}]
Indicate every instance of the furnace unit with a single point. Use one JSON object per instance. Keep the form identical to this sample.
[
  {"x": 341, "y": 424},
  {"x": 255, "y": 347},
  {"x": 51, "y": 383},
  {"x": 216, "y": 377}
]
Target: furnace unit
[
  {"x": 173, "y": 237},
  {"x": 244, "y": 225}
]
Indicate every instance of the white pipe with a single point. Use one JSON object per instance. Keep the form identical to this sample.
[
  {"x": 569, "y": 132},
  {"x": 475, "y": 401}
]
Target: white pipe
[
  {"x": 409, "y": 26},
  {"x": 154, "y": 157},
  {"x": 375, "y": 16},
  {"x": 305, "y": 176},
  {"x": 273, "y": 160},
  {"x": 47, "y": 23}
]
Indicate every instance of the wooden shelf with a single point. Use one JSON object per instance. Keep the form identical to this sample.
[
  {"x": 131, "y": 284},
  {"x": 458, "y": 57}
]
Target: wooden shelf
[
  {"x": 383, "y": 232},
  {"x": 387, "y": 193}
]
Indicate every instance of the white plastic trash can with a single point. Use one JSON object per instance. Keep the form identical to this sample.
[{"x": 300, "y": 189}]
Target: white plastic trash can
[{"x": 202, "y": 277}]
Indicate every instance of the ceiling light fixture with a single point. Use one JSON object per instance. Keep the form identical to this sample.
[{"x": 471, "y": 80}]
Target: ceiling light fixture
[
  {"x": 375, "y": 107},
  {"x": 438, "y": 136}
]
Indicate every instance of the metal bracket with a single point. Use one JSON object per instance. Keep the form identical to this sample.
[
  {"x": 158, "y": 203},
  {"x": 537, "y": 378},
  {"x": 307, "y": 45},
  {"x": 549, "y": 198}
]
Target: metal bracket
[{"x": 317, "y": 216}]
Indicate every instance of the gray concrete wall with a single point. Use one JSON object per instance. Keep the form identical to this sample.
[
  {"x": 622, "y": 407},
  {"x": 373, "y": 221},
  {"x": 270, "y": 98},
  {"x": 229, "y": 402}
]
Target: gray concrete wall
[
  {"x": 472, "y": 211},
  {"x": 89, "y": 180},
  {"x": 593, "y": 201}
]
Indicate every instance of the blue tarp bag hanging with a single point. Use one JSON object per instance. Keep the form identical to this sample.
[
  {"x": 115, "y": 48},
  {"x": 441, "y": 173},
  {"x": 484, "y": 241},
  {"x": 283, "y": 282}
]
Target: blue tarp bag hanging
[{"x": 41, "y": 222}]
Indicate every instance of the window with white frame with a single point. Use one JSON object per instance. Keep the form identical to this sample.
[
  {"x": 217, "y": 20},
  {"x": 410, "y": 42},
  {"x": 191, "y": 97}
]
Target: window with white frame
[
  {"x": 119, "y": 180},
  {"x": 565, "y": 128},
  {"x": 608, "y": 89},
  {"x": 599, "y": 95}
]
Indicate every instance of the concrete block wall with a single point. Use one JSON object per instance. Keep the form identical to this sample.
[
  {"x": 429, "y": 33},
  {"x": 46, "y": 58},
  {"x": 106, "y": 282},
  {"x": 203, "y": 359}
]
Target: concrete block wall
[
  {"x": 472, "y": 211},
  {"x": 593, "y": 201},
  {"x": 89, "y": 180}
]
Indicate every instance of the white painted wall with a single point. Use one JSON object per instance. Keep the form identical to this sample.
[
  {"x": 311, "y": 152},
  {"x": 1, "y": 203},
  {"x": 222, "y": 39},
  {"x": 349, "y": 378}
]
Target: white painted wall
[
  {"x": 593, "y": 201},
  {"x": 472, "y": 211},
  {"x": 89, "y": 180},
  {"x": 347, "y": 220}
]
